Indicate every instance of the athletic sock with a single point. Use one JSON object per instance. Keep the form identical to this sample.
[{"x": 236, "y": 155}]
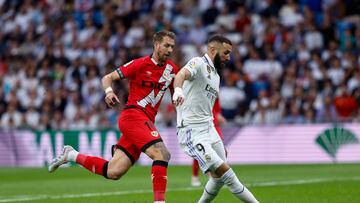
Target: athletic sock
[
  {"x": 159, "y": 179},
  {"x": 237, "y": 188},
  {"x": 195, "y": 168},
  {"x": 94, "y": 164},
  {"x": 211, "y": 189},
  {"x": 72, "y": 155}
]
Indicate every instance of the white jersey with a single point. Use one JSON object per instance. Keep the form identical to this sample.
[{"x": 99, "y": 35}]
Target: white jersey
[{"x": 200, "y": 92}]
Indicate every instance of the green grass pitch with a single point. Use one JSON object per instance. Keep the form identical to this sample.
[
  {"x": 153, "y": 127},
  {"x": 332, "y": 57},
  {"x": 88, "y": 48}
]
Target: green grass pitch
[{"x": 320, "y": 183}]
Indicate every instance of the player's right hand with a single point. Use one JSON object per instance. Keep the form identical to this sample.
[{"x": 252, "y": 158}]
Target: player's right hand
[
  {"x": 178, "y": 96},
  {"x": 111, "y": 99}
]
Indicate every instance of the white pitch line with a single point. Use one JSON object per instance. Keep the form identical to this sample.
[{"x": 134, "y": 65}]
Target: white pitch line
[
  {"x": 22, "y": 198},
  {"x": 299, "y": 182}
]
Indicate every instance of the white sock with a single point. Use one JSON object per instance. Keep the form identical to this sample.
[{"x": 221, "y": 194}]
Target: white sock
[
  {"x": 72, "y": 155},
  {"x": 238, "y": 189},
  {"x": 159, "y": 202},
  {"x": 211, "y": 189}
]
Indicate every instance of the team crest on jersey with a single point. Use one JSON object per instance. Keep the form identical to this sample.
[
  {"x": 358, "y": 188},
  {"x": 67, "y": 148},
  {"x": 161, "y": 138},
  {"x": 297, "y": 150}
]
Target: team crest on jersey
[
  {"x": 208, "y": 69},
  {"x": 155, "y": 133},
  {"x": 207, "y": 157}
]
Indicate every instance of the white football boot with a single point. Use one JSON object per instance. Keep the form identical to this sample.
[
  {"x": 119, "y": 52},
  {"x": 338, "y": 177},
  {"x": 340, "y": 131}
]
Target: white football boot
[
  {"x": 63, "y": 158},
  {"x": 195, "y": 181}
]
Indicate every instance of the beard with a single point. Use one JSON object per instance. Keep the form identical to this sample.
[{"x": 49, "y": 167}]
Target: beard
[
  {"x": 217, "y": 62},
  {"x": 162, "y": 59}
]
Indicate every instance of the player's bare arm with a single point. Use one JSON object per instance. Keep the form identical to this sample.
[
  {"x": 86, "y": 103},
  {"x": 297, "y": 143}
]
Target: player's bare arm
[
  {"x": 111, "y": 99},
  {"x": 181, "y": 76}
]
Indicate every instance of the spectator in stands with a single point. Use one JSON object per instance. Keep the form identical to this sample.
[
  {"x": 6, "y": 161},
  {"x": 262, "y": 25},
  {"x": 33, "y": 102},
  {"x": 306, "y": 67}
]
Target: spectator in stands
[
  {"x": 51, "y": 45},
  {"x": 12, "y": 118},
  {"x": 294, "y": 114},
  {"x": 230, "y": 97},
  {"x": 327, "y": 113}
]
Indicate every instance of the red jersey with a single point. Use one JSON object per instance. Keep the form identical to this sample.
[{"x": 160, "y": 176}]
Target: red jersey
[{"x": 148, "y": 83}]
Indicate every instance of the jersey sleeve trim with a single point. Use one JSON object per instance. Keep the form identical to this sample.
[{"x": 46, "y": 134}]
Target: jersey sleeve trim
[
  {"x": 121, "y": 74},
  {"x": 190, "y": 70}
]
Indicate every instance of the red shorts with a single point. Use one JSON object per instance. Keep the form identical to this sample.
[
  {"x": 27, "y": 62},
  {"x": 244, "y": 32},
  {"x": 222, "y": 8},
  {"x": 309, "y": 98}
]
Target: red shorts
[{"x": 138, "y": 133}]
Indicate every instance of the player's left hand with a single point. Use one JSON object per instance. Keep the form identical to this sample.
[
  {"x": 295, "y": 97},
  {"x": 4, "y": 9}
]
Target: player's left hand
[
  {"x": 178, "y": 96},
  {"x": 111, "y": 99}
]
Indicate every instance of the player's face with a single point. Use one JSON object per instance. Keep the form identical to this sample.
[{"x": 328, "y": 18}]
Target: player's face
[
  {"x": 222, "y": 55},
  {"x": 165, "y": 48}
]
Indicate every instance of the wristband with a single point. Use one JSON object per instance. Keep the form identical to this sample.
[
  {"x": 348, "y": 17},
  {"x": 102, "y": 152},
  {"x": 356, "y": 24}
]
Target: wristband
[
  {"x": 109, "y": 89},
  {"x": 178, "y": 90}
]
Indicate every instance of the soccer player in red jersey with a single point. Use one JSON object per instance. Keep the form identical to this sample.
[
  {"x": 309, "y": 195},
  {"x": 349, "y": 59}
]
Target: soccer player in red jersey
[
  {"x": 218, "y": 121},
  {"x": 149, "y": 78}
]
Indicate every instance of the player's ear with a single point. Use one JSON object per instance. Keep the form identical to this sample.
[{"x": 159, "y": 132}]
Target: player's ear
[{"x": 212, "y": 50}]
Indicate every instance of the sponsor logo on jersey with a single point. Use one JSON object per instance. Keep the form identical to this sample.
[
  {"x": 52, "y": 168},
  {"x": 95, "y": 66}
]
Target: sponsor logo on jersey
[
  {"x": 211, "y": 90},
  {"x": 162, "y": 85},
  {"x": 153, "y": 85},
  {"x": 212, "y": 94}
]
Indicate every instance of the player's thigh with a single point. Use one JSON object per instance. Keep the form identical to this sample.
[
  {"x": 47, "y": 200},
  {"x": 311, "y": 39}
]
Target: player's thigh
[
  {"x": 219, "y": 148},
  {"x": 129, "y": 149},
  {"x": 196, "y": 143},
  {"x": 208, "y": 158},
  {"x": 158, "y": 151},
  {"x": 140, "y": 131},
  {"x": 218, "y": 144}
]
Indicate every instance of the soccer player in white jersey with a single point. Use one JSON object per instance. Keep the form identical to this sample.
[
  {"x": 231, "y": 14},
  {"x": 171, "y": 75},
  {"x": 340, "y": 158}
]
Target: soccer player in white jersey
[{"x": 196, "y": 89}]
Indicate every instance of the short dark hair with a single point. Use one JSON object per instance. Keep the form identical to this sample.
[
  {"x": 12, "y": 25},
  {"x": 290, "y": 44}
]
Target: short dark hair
[
  {"x": 159, "y": 36},
  {"x": 220, "y": 39}
]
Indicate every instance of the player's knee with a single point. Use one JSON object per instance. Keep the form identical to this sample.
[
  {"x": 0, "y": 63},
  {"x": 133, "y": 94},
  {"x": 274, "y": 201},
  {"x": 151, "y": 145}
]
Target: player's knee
[
  {"x": 221, "y": 170},
  {"x": 114, "y": 174},
  {"x": 159, "y": 152},
  {"x": 163, "y": 155},
  {"x": 166, "y": 156}
]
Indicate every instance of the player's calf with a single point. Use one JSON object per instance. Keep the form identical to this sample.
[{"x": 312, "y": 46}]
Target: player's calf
[{"x": 119, "y": 164}]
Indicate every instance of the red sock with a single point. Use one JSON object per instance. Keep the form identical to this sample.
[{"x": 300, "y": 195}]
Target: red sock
[
  {"x": 159, "y": 178},
  {"x": 195, "y": 168},
  {"x": 94, "y": 164}
]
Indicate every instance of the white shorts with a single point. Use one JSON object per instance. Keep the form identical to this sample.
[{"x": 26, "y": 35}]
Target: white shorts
[{"x": 203, "y": 143}]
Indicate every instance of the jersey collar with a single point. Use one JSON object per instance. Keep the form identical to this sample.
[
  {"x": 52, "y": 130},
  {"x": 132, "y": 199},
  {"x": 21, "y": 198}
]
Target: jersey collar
[
  {"x": 153, "y": 60},
  {"x": 209, "y": 61}
]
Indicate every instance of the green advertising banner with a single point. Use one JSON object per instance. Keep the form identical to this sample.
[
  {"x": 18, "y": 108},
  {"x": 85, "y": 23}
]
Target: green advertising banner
[
  {"x": 94, "y": 143},
  {"x": 37, "y": 148}
]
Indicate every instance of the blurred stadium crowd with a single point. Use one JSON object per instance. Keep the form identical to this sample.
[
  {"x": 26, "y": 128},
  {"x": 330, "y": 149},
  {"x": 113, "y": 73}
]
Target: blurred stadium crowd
[{"x": 293, "y": 62}]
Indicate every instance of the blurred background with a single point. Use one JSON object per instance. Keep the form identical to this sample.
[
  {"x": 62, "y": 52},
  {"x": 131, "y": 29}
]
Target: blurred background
[{"x": 294, "y": 62}]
